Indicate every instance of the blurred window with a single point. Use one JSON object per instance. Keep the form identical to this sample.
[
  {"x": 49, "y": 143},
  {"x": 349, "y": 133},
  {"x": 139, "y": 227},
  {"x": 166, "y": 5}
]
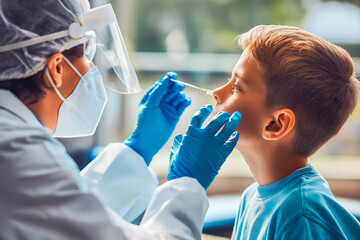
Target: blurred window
[{"x": 196, "y": 39}]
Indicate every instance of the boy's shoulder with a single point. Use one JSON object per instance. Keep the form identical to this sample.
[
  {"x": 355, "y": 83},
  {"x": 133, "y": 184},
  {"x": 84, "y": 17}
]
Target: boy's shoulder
[
  {"x": 312, "y": 205},
  {"x": 301, "y": 202}
]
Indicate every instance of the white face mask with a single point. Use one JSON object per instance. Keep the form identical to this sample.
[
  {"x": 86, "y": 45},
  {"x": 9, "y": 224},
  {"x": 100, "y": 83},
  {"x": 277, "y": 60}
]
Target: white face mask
[{"x": 81, "y": 111}]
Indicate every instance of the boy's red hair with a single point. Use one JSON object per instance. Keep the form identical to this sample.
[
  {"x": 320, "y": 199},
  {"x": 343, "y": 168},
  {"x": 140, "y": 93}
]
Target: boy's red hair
[{"x": 310, "y": 76}]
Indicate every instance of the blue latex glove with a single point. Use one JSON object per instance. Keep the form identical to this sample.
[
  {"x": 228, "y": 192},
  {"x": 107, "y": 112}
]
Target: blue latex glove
[
  {"x": 200, "y": 152},
  {"x": 159, "y": 112}
]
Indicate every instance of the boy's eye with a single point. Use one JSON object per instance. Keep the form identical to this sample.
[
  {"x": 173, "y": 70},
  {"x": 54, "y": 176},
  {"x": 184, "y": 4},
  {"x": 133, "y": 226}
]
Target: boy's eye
[{"x": 236, "y": 88}]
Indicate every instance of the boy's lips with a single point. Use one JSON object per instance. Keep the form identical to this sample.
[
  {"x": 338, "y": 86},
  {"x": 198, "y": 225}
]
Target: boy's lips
[{"x": 217, "y": 109}]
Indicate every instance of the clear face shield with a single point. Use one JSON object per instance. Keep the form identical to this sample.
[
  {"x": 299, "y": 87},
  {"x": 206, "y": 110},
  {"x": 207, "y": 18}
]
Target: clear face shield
[
  {"x": 109, "y": 51},
  {"x": 103, "y": 43}
]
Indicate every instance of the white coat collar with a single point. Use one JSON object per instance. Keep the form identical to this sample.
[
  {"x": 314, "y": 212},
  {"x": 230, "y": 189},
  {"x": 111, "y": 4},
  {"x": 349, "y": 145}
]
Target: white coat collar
[{"x": 12, "y": 104}]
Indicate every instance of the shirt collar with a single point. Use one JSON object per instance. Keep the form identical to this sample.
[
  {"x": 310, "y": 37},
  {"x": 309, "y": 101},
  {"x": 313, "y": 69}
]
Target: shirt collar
[{"x": 268, "y": 190}]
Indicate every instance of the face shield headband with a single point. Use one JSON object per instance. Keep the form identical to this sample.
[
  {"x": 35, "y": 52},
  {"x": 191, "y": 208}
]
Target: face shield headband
[{"x": 107, "y": 48}]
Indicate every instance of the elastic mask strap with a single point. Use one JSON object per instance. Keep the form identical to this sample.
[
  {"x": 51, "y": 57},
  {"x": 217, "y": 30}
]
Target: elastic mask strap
[
  {"x": 52, "y": 83},
  {"x": 72, "y": 66}
]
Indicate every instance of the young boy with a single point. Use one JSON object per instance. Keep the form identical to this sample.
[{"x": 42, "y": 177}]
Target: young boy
[{"x": 294, "y": 91}]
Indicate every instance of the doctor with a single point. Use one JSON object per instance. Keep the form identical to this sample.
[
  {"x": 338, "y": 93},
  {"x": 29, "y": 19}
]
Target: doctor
[{"x": 49, "y": 88}]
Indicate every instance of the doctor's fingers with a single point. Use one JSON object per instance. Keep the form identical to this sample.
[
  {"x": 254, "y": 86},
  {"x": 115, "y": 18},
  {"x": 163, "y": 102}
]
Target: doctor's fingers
[
  {"x": 173, "y": 91},
  {"x": 231, "y": 142},
  {"x": 159, "y": 91},
  {"x": 177, "y": 87},
  {"x": 200, "y": 115},
  {"x": 180, "y": 108},
  {"x": 216, "y": 123},
  {"x": 149, "y": 91},
  {"x": 230, "y": 127},
  {"x": 176, "y": 143},
  {"x": 172, "y": 75},
  {"x": 175, "y": 147},
  {"x": 177, "y": 99},
  {"x": 146, "y": 96},
  {"x": 174, "y": 86}
]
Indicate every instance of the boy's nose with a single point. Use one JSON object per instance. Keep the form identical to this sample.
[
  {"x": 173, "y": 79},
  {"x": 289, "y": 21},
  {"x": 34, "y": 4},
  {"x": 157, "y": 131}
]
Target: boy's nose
[
  {"x": 219, "y": 93},
  {"x": 216, "y": 95}
]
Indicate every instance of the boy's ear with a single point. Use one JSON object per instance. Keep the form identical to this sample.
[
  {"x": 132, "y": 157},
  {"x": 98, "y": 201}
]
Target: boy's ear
[
  {"x": 277, "y": 127},
  {"x": 56, "y": 69}
]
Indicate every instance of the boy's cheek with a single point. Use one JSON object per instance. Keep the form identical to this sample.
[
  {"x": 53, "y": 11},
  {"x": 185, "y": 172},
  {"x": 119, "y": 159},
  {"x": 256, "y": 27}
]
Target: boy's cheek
[{"x": 250, "y": 127}]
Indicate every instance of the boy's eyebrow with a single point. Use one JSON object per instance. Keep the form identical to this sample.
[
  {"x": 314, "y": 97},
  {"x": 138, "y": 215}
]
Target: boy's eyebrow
[{"x": 237, "y": 75}]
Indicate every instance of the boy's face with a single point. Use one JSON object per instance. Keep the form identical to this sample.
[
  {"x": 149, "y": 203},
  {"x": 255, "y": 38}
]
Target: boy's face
[{"x": 245, "y": 92}]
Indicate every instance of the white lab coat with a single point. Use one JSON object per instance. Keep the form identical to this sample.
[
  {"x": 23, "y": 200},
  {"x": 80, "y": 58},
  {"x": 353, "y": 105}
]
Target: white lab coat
[{"x": 43, "y": 196}]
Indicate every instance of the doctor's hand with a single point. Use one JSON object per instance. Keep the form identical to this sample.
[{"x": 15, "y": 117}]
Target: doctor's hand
[
  {"x": 159, "y": 112},
  {"x": 201, "y": 152}
]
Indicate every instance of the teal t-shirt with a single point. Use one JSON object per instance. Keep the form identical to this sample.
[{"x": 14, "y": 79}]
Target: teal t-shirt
[{"x": 300, "y": 206}]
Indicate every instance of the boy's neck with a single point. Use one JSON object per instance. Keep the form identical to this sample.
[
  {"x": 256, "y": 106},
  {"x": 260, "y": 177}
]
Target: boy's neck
[{"x": 271, "y": 165}]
